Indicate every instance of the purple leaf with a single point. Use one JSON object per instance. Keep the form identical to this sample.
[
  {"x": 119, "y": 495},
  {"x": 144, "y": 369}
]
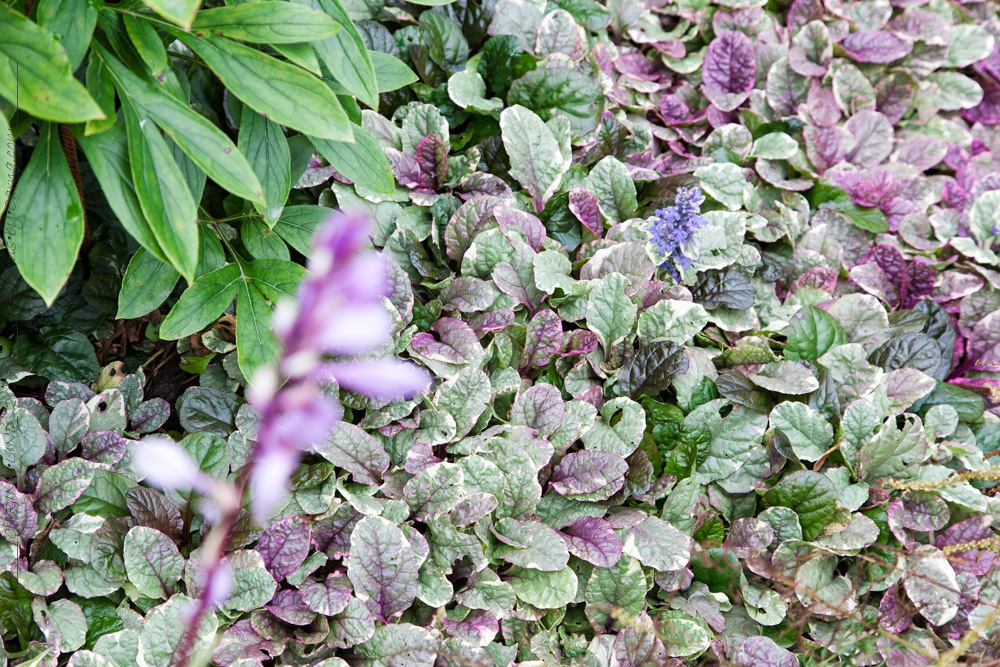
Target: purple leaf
[
  {"x": 153, "y": 509},
  {"x": 18, "y": 519},
  {"x": 589, "y": 475},
  {"x": 973, "y": 561},
  {"x": 763, "y": 652},
  {"x": 541, "y": 407},
  {"x": 674, "y": 110},
  {"x": 592, "y": 539},
  {"x": 472, "y": 217},
  {"x": 478, "y": 628},
  {"x": 432, "y": 158},
  {"x": 241, "y": 642},
  {"x": 583, "y": 206},
  {"x": 466, "y": 294},
  {"x": 511, "y": 218},
  {"x": 491, "y": 320},
  {"x": 383, "y": 567},
  {"x": 543, "y": 340},
  {"x": 473, "y": 507},
  {"x": 749, "y": 537},
  {"x": 332, "y": 535},
  {"x": 351, "y": 448},
  {"x": 876, "y": 46},
  {"x": 918, "y": 282},
  {"x": 986, "y": 112},
  {"x": 405, "y": 168},
  {"x": 729, "y": 65},
  {"x": 284, "y": 546},
  {"x": 150, "y": 415},
  {"x": 637, "y": 66},
  {"x": 892, "y": 616},
  {"x": 289, "y": 607},
  {"x": 634, "y": 647},
  {"x": 458, "y": 344},
  {"x": 103, "y": 447},
  {"x": 482, "y": 183}
]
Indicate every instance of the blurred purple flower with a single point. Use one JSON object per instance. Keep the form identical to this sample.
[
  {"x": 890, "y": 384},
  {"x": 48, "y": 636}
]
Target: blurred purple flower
[
  {"x": 675, "y": 229},
  {"x": 166, "y": 465},
  {"x": 339, "y": 311}
]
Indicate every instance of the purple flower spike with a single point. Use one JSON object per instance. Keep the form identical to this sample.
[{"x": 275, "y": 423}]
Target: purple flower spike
[
  {"x": 675, "y": 228},
  {"x": 339, "y": 312}
]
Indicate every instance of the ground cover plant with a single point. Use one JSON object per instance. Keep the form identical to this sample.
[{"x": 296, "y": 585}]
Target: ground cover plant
[{"x": 500, "y": 332}]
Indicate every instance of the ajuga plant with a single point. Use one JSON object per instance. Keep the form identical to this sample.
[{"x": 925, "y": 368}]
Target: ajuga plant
[{"x": 708, "y": 291}]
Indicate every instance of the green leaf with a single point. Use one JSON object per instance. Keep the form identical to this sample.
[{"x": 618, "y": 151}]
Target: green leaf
[
  {"x": 45, "y": 231},
  {"x": 554, "y": 91},
  {"x": 23, "y": 441},
  {"x": 545, "y": 590},
  {"x": 107, "y": 154},
  {"x": 346, "y": 55},
  {"x": 253, "y": 586},
  {"x": 62, "y": 484},
  {"x": 163, "y": 633},
  {"x": 146, "y": 285},
  {"x": 181, "y": 12},
  {"x": 775, "y": 146},
  {"x": 58, "y": 353},
  {"x": 261, "y": 242},
  {"x": 894, "y": 453},
  {"x": 673, "y": 321},
  {"x": 611, "y": 183},
  {"x": 811, "y": 495},
  {"x": 263, "y": 142},
  {"x": 72, "y": 22},
  {"x": 163, "y": 193},
  {"x": 36, "y": 72},
  {"x": 278, "y": 90},
  {"x": 467, "y": 89},
  {"x": 808, "y": 432},
  {"x": 391, "y": 73},
  {"x": 265, "y": 23},
  {"x": 829, "y": 196},
  {"x": 622, "y": 586},
  {"x": 362, "y": 162},
  {"x": 536, "y": 160},
  {"x": 206, "y": 145},
  {"x": 62, "y": 623},
  {"x": 152, "y": 562},
  {"x": 6, "y": 165},
  {"x": 201, "y": 303},
  {"x": 303, "y": 55},
  {"x": 812, "y": 333},
  {"x": 399, "y": 645},
  {"x": 724, "y": 182},
  {"x": 298, "y": 223},
  {"x": 610, "y": 313},
  {"x": 266, "y": 280}
]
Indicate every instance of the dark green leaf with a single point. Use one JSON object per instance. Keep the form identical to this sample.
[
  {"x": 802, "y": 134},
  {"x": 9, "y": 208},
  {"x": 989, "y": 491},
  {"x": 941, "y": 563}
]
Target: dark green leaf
[
  {"x": 147, "y": 283},
  {"x": 812, "y": 333}
]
